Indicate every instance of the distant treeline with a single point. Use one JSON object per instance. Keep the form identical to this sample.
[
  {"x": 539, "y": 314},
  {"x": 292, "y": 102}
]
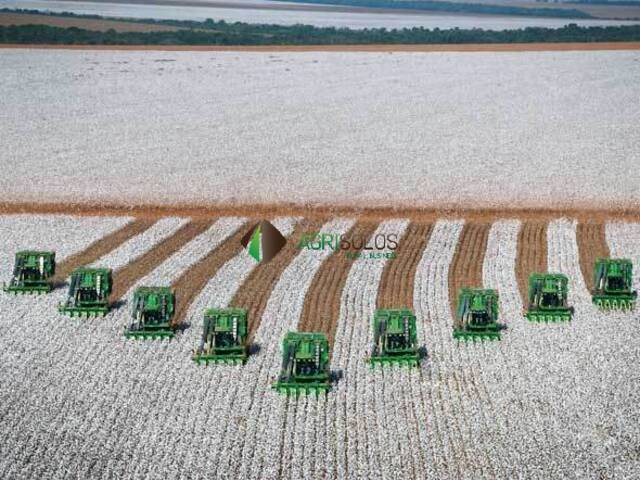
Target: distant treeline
[
  {"x": 436, "y": 6},
  {"x": 222, "y": 33}
]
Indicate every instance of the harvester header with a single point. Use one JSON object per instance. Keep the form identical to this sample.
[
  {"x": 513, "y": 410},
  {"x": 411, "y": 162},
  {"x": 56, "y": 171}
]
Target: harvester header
[
  {"x": 394, "y": 338},
  {"x": 89, "y": 290},
  {"x": 548, "y": 293},
  {"x": 152, "y": 313},
  {"x": 224, "y": 337},
  {"x": 613, "y": 284},
  {"x": 305, "y": 364},
  {"x": 32, "y": 272},
  {"x": 477, "y": 315}
]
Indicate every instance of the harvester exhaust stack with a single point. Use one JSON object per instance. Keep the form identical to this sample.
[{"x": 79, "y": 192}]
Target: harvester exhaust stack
[
  {"x": 613, "y": 284},
  {"x": 224, "y": 337},
  {"x": 394, "y": 338},
  {"x": 152, "y": 313},
  {"x": 477, "y": 315},
  {"x": 548, "y": 294},
  {"x": 89, "y": 291},
  {"x": 305, "y": 364},
  {"x": 32, "y": 272}
]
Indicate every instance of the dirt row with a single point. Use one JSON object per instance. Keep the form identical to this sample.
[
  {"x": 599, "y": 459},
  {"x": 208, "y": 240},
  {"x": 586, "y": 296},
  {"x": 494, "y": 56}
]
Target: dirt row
[
  {"x": 100, "y": 248},
  {"x": 466, "y": 267},
  {"x": 531, "y": 254},
  {"x": 191, "y": 282},
  {"x": 254, "y": 293},
  {"x": 322, "y": 302},
  {"x": 592, "y": 244},
  {"x": 127, "y": 276},
  {"x": 398, "y": 277}
]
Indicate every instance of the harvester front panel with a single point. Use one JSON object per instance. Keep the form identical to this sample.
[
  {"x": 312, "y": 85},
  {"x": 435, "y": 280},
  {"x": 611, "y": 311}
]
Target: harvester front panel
[
  {"x": 613, "y": 284},
  {"x": 548, "y": 298},
  {"x": 32, "y": 272},
  {"x": 224, "y": 337},
  {"x": 394, "y": 338},
  {"x": 89, "y": 291},
  {"x": 305, "y": 364},
  {"x": 477, "y": 315},
  {"x": 152, "y": 312}
]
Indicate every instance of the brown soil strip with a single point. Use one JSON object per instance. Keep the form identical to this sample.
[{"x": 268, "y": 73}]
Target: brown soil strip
[
  {"x": 532, "y": 254},
  {"x": 100, "y": 248},
  {"x": 397, "y": 283},
  {"x": 190, "y": 283},
  {"x": 488, "y": 47},
  {"x": 466, "y": 266},
  {"x": 260, "y": 211},
  {"x": 7, "y": 19},
  {"x": 322, "y": 302},
  {"x": 254, "y": 293},
  {"x": 127, "y": 276},
  {"x": 592, "y": 244}
]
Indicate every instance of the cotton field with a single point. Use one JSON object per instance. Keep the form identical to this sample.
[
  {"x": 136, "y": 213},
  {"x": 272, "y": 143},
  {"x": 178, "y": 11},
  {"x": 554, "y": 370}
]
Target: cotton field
[
  {"x": 78, "y": 400},
  {"x": 530, "y": 129}
]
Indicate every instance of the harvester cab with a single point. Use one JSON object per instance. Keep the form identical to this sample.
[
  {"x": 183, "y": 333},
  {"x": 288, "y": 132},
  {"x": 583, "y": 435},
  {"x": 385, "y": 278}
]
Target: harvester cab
[
  {"x": 152, "y": 312},
  {"x": 613, "y": 284},
  {"x": 394, "y": 338},
  {"x": 224, "y": 337},
  {"x": 32, "y": 272},
  {"x": 305, "y": 364},
  {"x": 89, "y": 291},
  {"x": 548, "y": 293},
  {"x": 477, "y": 315}
]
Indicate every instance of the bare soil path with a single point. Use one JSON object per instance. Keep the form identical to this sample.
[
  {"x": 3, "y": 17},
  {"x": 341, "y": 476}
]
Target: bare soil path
[
  {"x": 322, "y": 303},
  {"x": 532, "y": 254},
  {"x": 592, "y": 244},
  {"x": 468, "y": 259},
  {"x": 100, "y": 248},
  {"x": 127, "y": 276}
]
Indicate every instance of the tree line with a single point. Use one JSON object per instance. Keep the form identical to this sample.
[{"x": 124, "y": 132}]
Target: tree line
[{"x": 222, "y": 33}]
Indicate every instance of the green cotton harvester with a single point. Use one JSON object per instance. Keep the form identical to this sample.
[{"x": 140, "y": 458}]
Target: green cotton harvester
[
  {"x": 394, "y": 338},
  {"x": 548, "y": 293},
  {"x": 477, "y": 315},
  {"x": 152, "y": 311},
  {"x": 224, "y": 337},
  {"x": 89, "y": 290},
  {"x": 305, "y": 364},
  {"x": 32, "y": 272},
  {"x": 613, "y": 284}
]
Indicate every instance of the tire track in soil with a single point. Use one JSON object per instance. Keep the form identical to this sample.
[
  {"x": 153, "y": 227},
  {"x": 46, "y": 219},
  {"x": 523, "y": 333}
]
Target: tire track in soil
[
  {"x": 254, "y": 293},
  {"x": 468, "y": 259},
  {"x": 100, "y": 248},
  {"x": 322, "y": 303},
  {"x": 531, "y": 255},
  {"x": 127, "y": 276},
  {"x": 592, "y": 244},
  {"x": 189, "y": 285}
]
